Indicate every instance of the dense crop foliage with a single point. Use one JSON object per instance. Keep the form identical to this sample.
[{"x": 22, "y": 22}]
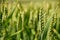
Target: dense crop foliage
[{"x": 29, "y": 23}]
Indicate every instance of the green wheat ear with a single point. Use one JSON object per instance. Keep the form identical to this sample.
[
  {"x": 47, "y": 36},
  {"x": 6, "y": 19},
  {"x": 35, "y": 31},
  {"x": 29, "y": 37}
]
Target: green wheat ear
[{"x": 46, "y": 28}]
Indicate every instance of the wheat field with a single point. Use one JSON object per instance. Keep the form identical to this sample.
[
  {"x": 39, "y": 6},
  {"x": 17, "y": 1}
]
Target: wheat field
[{"x": 32, "y": 21}]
